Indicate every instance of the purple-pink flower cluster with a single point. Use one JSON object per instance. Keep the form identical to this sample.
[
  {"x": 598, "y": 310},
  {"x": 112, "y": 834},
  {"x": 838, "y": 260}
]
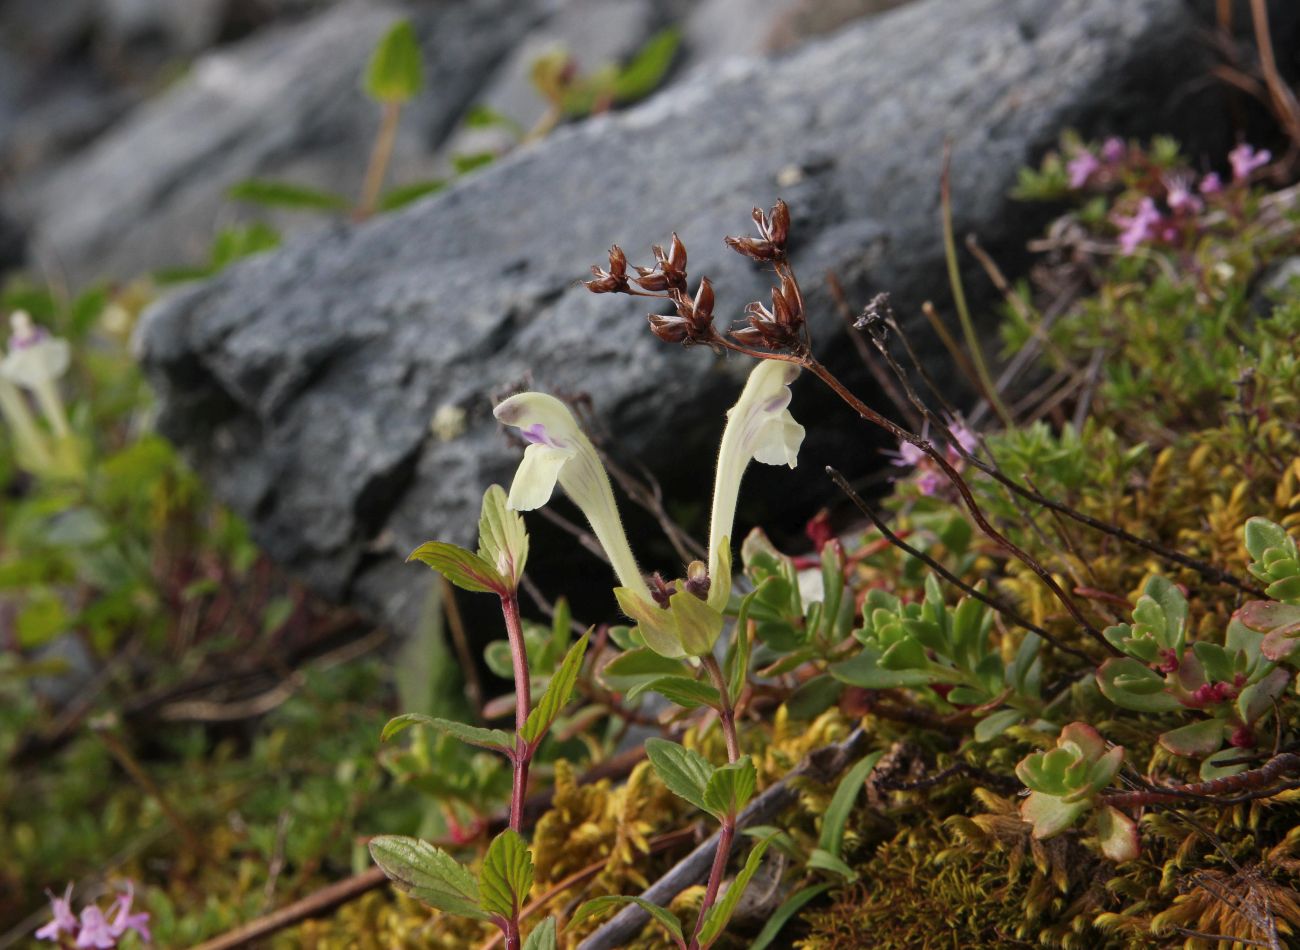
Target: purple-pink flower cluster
[
  {"x": 95, "y": 927},
  {"x": 1170, "y": 210},
  {"x": 930, "y": 479}
]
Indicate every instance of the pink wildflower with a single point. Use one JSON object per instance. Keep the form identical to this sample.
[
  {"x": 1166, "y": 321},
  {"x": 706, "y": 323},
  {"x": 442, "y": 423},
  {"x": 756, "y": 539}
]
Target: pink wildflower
[
  {"x": 1211, "y": 184},
  {"x": 1245, "y": 160},
  {"x": 1139, "y": 228},
  {"x": 123, "y": 920},
  {"x": 1081, "y": 168},
  {"x": 64, "y": 919},
  {"x": 95, "y": 931},
  {"x": 929, "y": 482},
  {"x": 1179, "y": 197},
  {"x": 908, "y": 455},
  {"x": 1113, "y": 150}
]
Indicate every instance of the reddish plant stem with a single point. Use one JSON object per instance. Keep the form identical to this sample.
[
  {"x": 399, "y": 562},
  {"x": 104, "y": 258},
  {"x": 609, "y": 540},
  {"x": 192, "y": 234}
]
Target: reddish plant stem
[
  {"x": 1255, "y": 783},
  {"x": 523, "y": 703},
  {"x": 727, "y": 716}
]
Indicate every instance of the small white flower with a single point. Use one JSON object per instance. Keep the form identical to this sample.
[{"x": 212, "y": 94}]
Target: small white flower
[
  {"x": 35, "y": 361},
  {"x": 759, "y": 427},
  {"x": 560, "y": 452}
]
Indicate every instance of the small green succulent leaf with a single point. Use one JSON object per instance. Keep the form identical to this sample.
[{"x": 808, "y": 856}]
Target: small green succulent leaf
[
  {"x": 558, "y": 692},
  {"x": 396, "y": 71},
  {"x": 1128, "y": 683},
  {"x": 730, "y": 787},
  {"x": 507, "y": 874},
  {"x": 502, "y": 537},
  {"x": 683, "y": 771},
  {"x": 836, "y": 818},
  {"x": 428, "y": 874},
  {"x": 1118, "y": 834},
  {"x": 1196, "y": 740},
  {"x": 543, "y": 936},
  {"x": 463, "y": 568},
  {"x": 719, "y": 915},
  {"x": 1049, "y": 814},
  {"x": 661, "y": 915},
  {"x": 1280, "y": 624},
  {"x": 1276, "y": 559},
  {"x": 1258, "y": 698},
  {"x": 498, "y": 740}
]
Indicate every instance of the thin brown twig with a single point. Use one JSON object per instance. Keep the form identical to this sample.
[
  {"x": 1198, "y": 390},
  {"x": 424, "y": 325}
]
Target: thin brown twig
[
  {"x": 1284, "y": 101},
  {"x": 1169, "y": 554},
  {"x": 951, "y": 345}
]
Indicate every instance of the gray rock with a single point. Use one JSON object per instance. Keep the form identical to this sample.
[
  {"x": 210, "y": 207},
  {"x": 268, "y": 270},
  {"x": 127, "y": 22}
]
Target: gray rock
[
  {"x": 285, "y": 103},
  {"x": 715, "y": 29},
  {"x": 302, "y": 383}
]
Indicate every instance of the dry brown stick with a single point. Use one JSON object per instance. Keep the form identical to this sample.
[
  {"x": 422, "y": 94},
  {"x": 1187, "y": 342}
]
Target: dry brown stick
[
  {"x": 313, "y": 905},
  {"x": 1284, "y": 101},
  {"x": 821, "y": 766},
  {"x": 951, "y": 345}
]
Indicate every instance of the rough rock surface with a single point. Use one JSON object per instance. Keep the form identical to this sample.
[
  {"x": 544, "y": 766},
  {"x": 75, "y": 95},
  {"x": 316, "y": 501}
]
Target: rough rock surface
[
  {"x": 286, "y": 104},
  {"x": 302, "y": 383}
]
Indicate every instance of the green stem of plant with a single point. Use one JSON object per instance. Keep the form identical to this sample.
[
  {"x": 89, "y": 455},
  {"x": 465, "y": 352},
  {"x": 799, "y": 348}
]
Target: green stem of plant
[
  {"x": 523, "y": 703},
  {"x": 959, "y": 295},
  {"x": 380, "y": 156}
]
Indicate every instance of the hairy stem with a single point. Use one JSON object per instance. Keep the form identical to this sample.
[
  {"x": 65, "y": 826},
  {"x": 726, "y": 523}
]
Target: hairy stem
[
  {"x": 523, "y": 703},
  {"x": 727, "y": 716}
]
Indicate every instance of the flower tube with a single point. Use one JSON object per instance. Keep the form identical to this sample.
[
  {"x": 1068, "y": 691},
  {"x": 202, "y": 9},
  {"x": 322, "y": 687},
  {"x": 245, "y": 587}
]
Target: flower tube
[{"x": 560, "y": 452}]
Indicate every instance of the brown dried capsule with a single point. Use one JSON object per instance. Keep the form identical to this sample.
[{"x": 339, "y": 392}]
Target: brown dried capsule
[{"x": 612, "y": 281}]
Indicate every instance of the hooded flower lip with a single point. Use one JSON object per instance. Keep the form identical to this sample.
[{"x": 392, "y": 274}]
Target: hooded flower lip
[
  {"x": 759, "y": 427},
  {"x": 560, "y": 453}
]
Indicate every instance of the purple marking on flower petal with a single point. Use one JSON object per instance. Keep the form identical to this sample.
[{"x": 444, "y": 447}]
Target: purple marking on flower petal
[
  {"x": 535, "y": 433},
  {"x": 777, "y": 402}
]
